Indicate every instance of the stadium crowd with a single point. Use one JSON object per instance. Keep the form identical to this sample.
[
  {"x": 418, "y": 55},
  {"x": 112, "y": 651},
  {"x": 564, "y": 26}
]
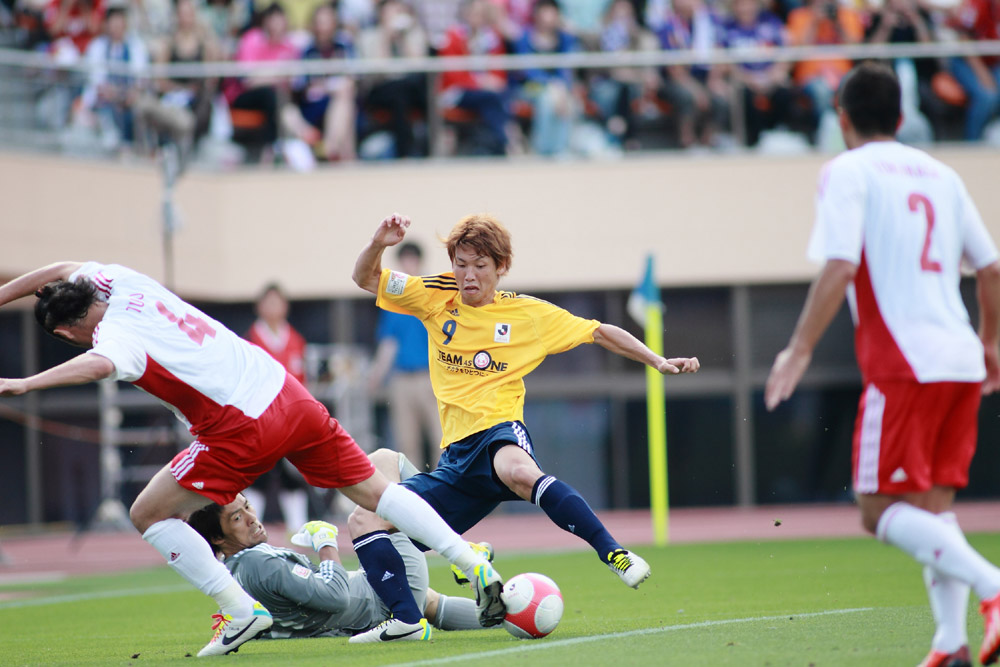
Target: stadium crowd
[{"x": 546, "y": 112}]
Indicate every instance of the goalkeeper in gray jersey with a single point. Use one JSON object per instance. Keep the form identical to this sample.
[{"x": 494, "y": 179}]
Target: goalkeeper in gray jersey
[{"x": 307, "y": 600}]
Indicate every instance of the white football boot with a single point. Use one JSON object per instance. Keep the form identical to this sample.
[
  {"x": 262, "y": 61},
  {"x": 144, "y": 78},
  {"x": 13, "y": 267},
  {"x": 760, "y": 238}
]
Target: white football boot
[
  {"x": 629, "y": 567},
  {"x": 231, "y": 633}
]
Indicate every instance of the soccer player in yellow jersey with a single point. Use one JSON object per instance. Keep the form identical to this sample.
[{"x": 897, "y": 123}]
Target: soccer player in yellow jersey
[{"x": 483, "y": 341}]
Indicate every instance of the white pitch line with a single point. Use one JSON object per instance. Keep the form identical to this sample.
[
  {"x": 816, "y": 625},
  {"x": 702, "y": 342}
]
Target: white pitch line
[
  {"x": 541, "y": 646},
  {"x": 81, "y": 597}
]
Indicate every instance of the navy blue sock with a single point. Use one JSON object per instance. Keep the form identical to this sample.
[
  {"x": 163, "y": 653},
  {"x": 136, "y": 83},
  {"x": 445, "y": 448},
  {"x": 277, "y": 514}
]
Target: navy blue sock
[
  {"x": 386, "y": 573},
  {"x": 570, "y": 511}
]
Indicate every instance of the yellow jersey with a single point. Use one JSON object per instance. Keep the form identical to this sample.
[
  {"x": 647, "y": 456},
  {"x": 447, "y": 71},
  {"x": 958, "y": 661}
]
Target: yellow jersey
[{"x": 479, "y": 356}]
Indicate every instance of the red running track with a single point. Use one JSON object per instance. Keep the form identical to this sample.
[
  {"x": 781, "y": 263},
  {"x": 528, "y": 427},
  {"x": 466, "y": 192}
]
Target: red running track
[{"x": 57, "y": 555}]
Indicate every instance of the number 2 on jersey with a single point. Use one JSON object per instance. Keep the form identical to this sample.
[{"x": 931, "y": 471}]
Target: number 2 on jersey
[
  {"x": 195, "y": 327},
  {"x": 449, "y": 330},
  {"x": 916, "y": 201}
]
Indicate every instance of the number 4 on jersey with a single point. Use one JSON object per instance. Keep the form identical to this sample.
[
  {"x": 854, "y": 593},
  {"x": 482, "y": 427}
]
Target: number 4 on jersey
[
  {"x": 920, "y": 201},
  {"x": 195, "y": 327}
]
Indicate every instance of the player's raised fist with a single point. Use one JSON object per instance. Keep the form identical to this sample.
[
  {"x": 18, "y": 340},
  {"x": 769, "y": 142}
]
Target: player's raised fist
[
  {"x": 391, "y": 230},
  {"x": 685, "y": 365}
]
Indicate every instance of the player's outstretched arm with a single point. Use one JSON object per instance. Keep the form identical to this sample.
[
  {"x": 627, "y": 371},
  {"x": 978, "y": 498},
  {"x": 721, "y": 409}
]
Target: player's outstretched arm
[
  {"x": 368, "y": 267},
  {"x": 78, "y": 370},
  {"x": 617, "y": 340},
  {"x": 988, "y": 295},
  {"x": 825, "y": 296},
  {"x": 32, "y": 281}
]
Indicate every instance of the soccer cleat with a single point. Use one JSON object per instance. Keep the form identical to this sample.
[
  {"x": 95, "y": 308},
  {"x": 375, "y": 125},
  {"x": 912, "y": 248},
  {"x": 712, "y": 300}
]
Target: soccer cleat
[
  {"x": 490, "y": 607},
  {"x": 484, "y": 548},
  {"x": 392, "y": 630},
  {"x": 990, "y": 609},
  {"x": 959, "y": 658},
  {"x": 231, "y": 633},
  {"x": 632, "y": 569}
]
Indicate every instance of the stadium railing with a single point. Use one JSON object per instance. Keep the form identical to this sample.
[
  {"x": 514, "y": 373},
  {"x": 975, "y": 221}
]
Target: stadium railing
[{"x": 26, "y": 74}]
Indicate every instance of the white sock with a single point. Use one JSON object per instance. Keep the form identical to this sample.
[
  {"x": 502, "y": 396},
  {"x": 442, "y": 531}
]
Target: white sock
[
  {"x": 295, "y": 508},
  {"x": 930, "y": 540},
  {"x": 415, "y": 518},
  {"x": 949, "y": 600},
  {"x": 189, "y": 555}
]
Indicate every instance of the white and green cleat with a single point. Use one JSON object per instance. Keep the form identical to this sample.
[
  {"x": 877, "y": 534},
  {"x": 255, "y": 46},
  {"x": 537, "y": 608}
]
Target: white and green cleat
[
  {"x": 232, "y": 633},
  {"x": 488, "y": 585},
  {"x": 394, "y": 630},
  {"x": 483, "y": 548}
]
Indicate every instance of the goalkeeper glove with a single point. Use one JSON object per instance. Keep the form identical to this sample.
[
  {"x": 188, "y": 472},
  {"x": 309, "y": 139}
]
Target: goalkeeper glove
[{"x": 316, "y": 534}]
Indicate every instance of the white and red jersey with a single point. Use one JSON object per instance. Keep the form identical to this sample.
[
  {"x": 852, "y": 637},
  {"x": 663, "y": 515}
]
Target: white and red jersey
[
  {"x": 908, "y": 222},
  {"x": 286, "y": 345},
  {"x": 203, "y": 371}
]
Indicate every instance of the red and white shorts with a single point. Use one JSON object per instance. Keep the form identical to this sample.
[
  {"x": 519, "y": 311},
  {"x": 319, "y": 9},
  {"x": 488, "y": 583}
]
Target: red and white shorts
[
  {"x": 909, "y": 436},
  {"x": 295, "y": 426}
]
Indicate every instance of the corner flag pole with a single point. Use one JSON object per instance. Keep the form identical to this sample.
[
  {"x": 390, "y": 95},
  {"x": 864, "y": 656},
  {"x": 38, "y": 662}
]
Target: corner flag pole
[
  {"x": 656, "y": 423},
  {"x": 645, "y": 307}
]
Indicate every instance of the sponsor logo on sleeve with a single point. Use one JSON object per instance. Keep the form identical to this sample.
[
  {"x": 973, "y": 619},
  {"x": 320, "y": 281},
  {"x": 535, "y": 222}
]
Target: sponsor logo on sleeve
[
  {"x": 396, "y": 283},
  {"x": 501, "y": 333},
  {"x": 302, "y": 571}
]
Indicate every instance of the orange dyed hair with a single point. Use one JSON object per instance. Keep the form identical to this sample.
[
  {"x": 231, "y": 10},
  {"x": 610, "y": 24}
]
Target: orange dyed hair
[{"x": 486, "y": 235}]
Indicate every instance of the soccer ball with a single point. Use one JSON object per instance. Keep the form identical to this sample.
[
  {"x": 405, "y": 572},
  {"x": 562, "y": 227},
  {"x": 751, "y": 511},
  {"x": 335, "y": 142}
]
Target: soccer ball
[{"x": 534, "y": 605}]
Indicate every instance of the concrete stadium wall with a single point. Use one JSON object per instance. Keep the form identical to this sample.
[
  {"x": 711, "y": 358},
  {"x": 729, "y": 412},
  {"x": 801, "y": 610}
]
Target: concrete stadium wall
[{"x": 576, "y": 225}]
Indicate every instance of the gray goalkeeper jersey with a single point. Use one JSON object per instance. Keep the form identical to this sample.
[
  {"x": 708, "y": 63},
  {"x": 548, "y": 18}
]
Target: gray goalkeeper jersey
[{"x": 326, "y": 600}]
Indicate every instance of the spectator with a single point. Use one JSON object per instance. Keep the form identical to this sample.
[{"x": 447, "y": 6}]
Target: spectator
[
  {"x": 516, "y": 18},
  {"x": 397, "y": 34},
  {"x": 823, "y": 23},
  {"x": 481, "y": 92},
  {"x": 697, "y": 93},
  {"x": 265, "y": 94},
  {"x": 586, "y": 18},
  {"x": 298, "y": 12},
  {"x": 228, "y": 19},
  {"x": 437, "y": 17},
  {"x": 617, "y": 91},
  {"x": 151, "y": 18},
  {"x": 977, "y": 20},
  {"x": 272, "y": 332},
  {"x": 184, "y": 107},
  {"x": 904, "y": 22},
  {"x": 111, "y": 95},
  {"x": 72, "y": 24},
  {"x": 402, "y": 356},
  {"x": 766, "y": 86},
  {"x": 328, "y": 103},
  {"x": 550, "y": 91}
]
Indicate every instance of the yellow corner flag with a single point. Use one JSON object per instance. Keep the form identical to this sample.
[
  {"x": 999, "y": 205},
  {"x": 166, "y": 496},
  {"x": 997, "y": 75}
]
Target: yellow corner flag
[{"x": 644, "y": 306}]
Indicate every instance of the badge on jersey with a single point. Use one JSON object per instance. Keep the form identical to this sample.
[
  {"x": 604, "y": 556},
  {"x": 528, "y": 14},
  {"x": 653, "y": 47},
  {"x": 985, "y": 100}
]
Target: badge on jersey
[
  {"x": 302, "y": 571},
  {"x": 501, "y": 333},
  {"x": 396, "y": 283}
]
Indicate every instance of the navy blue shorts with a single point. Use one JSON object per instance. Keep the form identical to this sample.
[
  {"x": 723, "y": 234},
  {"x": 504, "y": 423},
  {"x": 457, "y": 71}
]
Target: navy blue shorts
[{"x": 463, "y": 488}]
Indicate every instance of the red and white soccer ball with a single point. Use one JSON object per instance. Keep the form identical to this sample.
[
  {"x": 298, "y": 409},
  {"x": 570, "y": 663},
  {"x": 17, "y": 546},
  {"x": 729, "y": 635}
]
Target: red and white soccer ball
[{"x": 534, "y": 605}]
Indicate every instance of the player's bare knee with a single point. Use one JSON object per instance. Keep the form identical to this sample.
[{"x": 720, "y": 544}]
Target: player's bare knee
[
  {"x": 386, "y": 461},
  {"x": 362, "y": 521},
  {"x": 141, "y": 518}
]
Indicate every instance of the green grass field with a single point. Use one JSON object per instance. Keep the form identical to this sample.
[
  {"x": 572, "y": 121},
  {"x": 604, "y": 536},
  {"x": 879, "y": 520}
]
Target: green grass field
[{"x": 817, "y": 602}]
